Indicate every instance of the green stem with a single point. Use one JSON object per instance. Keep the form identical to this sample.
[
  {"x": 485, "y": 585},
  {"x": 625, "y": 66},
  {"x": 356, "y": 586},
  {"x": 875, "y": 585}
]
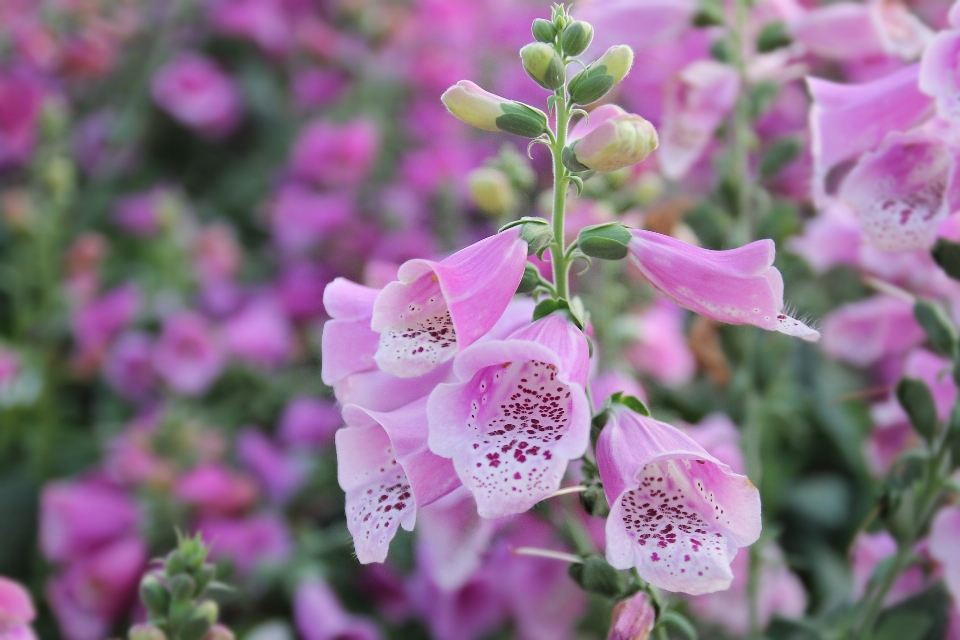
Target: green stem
[
  {"x": 561, "y": 181},
  {"x": 740, "y": 133}
]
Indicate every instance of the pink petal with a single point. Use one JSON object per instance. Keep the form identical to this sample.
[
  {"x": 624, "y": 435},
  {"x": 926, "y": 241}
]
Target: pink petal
[
  {"x": 901, "y": 191},
  {"x": 510, "y": 425},
  {"x": 437, "y": 308},
  {"x": 677, "y": 514}
]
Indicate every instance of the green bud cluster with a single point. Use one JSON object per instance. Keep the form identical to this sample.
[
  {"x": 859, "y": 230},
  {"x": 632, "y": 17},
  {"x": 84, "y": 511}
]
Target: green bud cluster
[{"x": 176, "y": 597}]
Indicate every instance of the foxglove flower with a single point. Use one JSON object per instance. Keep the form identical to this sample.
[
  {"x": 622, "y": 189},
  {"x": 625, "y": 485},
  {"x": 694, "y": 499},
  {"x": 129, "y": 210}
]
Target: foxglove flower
[
  {"x": 320, "y": 616},
  {"x": 516, "y": 415},
  {"x": 938, "y": 78},
  {"x": 610, "y": 140},
  {"x": 697, "y": 101},
  {"x": 902, "y": 191},
  {"x": 387, "y": 472},
  {"x": 738, "y": 286},
  {"x": 194, "y": 90},
  {"x": 863, "y": 332},
  {"x": 633, "y": 619},
  {"x": 348, "y": 344},
  {"x": 438, "y": 308},
  {"x": 16, "y": 611},
  {"x": 677, "y": 514},
  {"x": 848, "y": 120}
]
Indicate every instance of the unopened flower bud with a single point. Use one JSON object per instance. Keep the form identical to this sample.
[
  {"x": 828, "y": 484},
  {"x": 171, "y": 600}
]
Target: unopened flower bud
[
  {"x": 608, "y": 241},
  {"x": 155, "y": 597},
  {"x": 182, "y": 587},
  {"x": 537, "y": 233},
  {"x": 594, "y": 501},
  {"x": 632, "y": 619},
  {"x": 617, "y": 142},
  {"x": 491, "y": 191},
  {"x": 219, "y": 632},
  {"x": 530, "y": 279},
  {"x": 490, "y": 112},
  {"x": 209, "y": 610},
  {"x": 595, "y": 81},
  {"x": 543, "y": 64},
  {"x": 544, "y": 30},
  {"x": 146, "y": 632},
  {"x": 576, "y": 38}
]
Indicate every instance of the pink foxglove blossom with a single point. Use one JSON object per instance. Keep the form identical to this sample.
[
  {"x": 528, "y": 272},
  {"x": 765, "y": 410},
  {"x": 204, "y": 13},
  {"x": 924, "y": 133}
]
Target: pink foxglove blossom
[
  {"x": 438, "y": 308},
  {"x": 387, "y": 472},
  {"x": 633, "y": 618},
  {"x": 863, "y": 332},
  {"x": 16, "y": 611},
  {"x": 187, "y": 355},
  {"x": 195, "y": 90},
  {"x": 938, "y": 78},
  {"x": 697, "y": 101},
  {"x": 902, "y": 191},
  {"x": 677, "y": 514},
  {"x": 738, "y": 286},
  {"x": 516, "y": 415},
  {"x": 320, "y": 616},
  {"x": 78, "y": 517}
]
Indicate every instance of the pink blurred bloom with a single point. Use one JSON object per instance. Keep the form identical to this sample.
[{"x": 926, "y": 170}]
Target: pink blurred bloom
[
  {"x": 248, "y": 542},
  {"x": 259, "y": 334},
  {"x": 97, "y": 322},
  {"x": 280, "y": 473},
  {"x": 721, "y": 439},
  {"x": 863, "y": 332},
  {"x": 336, "y": 155},
  {"x": 76, "y": 518},
  {"x": 780, "y": 592},
  {"x": 438, "y": 308},
  {"x": 660, "y": 349},
  {"x": 141, "y": 214},
  {"x": 387, "y": 472},
  {"x": 633, "y": 618},
  {"x": 453, "y": 539},
  {"x": 938, "y": 78},
  {"x": 466, "y": 613},
  {"x": 95, "y": 590},
  {"x": 848, "y": 120},
  {"x": 20, "y": 102},
  {"x": 128, "y": 368},
  {"x": 187, "y": 355},
  {"x": 195, "y": 91},
  {"x": 309, "y": 422},
  {"x": 16, "y": 611},
  {"x": 265, "y": 22},
  {"x": 685, "y": 544},
  {"x": 944, "y": 548},
  {"x": 216, "y": 253},
  {"x": 892, "y": 434},
  {"x": 320, "y": 616},
  {"x": 848, "y": 31},
  {"x": 697, "y": 101},
  {"x": 516, "y": 415},
  {"x": 314, "y": 88},
  {"x": 867, "y": 552},
  {"x": 830, "y": 239},
  {"x": 9, "y": 365},
  {"x": 738, "y": 286},
  {"x": 214, "y": 489},
  {"x": 301, "y": 217},
  {"x": 300, "y": 287},
  {"x": 902, "y": 191},
  {"x": 606, "y": 384}
]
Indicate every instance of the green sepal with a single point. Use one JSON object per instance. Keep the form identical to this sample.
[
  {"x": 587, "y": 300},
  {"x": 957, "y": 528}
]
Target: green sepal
[
  {"x": 594, "y": 501},
  {"x": 543, "y": 30},
  {"x": 608, "y": 241},
  {"x": 576, "y": 37},
  {"x": 531, "y": 279},
  {"x": 522, "y": 120},
  {"x": 947, "y": 255},
  {"x": 773, "y": 36},
  {"x": 569, "y": 158},
  {"x": 590, "y": 85},
  {"x": 938, "y": 327},
  {"x": 633, "y": 403},
  {"x": 154, "y": 596},
  {"x": 595, "y": 575},
  {"x": 915, "y": 398},
  {"x": 778, "y": 155}
]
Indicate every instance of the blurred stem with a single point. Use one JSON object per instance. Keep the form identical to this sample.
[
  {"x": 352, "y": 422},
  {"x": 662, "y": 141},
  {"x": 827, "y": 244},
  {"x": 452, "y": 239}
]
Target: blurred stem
[
  {"x": 561, "y": 180},
  {"x": 741, "y": 133}
]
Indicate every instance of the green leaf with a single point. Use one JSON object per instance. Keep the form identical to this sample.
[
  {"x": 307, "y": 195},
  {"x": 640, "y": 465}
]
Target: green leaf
[
  {"x": 596, "y": 576},
  {"x": 939, "y": 328},
  {"x": 915, "y": 398},
  {"x": 947, "y": 255},
  {"x": 680, "y": 622},
  {"x": 774, "y": 35},
  {"x": 778, "y": 155}
]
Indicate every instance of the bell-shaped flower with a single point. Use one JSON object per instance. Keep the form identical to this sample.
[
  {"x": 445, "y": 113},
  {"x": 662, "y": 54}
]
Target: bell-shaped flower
[
  {"x": 677, "y": 514},
  {"x": 611, "y": 140},
  {"x": 903, "y": 191},
  {"x": 738, "y": 286},
  {"x": 848, "y": 120},
  {"x": 938, "y": 77},
  {"x": 16, "y": 611},
  {"x": 633, "y": 618},
  {"x": 517, "y": 413},
  {"x": 863, "y": 332},
  {"x": 438, "y": 308},
  {"x": 387, "y": 472},
  {"x": 697, "y": 101}
]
